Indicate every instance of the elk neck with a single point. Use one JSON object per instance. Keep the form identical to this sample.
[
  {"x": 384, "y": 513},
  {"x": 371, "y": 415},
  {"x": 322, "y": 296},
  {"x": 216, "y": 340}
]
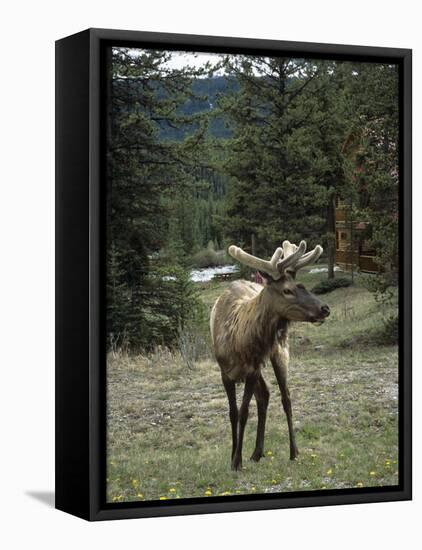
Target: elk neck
[{"x": 260, "y": 324}]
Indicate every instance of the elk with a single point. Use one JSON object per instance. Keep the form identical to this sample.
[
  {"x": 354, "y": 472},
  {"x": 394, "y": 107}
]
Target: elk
[{"x": 249, "y": 324}]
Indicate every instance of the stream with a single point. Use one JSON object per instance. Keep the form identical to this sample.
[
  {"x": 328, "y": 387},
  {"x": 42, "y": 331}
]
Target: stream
[{"x": 207, "y": 273}]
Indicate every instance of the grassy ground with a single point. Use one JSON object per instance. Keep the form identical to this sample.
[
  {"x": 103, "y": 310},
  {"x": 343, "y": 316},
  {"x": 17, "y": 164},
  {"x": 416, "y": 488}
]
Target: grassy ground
[{"x": 168, "y": 427}]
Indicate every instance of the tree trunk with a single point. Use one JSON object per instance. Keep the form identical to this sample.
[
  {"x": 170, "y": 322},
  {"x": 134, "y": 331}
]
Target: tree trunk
[{"x": 331, "y": 230}]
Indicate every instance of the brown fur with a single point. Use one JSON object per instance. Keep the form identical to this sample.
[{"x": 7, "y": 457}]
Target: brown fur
[{"x": 244, "y": 329}]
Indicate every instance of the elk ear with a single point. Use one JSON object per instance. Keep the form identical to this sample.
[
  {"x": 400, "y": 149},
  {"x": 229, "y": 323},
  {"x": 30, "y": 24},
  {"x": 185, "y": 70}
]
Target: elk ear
[{"x": 266, "y": 277}]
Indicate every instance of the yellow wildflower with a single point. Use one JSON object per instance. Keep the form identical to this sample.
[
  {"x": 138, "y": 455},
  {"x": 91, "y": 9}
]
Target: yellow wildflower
[
  {"x": 359, "y": 484},
  {"x": 274, "y": 481},
  {"x": 163, "y": 498},
  {"x": 329, "y": 472},
  {"x": 387, "y": 463},
  {"x": 372, "y": 473},
  {"x": 139, "y": 495},
  {"x": 172, "y": 490},
  {"x": 313, "y": 456},
  {"x": 269, "y": 453},
  {"x": 208, "y": 493},
  {"x": 253, "y": 489},
  {"x": 135, "y": 482}
]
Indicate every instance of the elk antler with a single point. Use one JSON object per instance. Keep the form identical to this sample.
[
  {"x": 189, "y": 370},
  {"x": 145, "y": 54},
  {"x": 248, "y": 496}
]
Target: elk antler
[
  {"x": 293, "y": 256},
  {"x": 267, "y": 266},
  {"x": 290, "y": 249}
]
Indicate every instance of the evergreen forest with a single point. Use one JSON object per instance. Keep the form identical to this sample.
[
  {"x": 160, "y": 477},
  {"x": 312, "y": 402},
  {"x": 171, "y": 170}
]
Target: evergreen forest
[{"x": 241, "y": 150}]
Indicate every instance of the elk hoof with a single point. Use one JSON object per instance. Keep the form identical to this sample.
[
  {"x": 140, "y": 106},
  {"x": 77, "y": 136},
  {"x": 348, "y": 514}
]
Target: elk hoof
[
  {"x": 257, "y": 455},
  {"x": 294, "y": 453},
  {"x": 236, "y": 464}
]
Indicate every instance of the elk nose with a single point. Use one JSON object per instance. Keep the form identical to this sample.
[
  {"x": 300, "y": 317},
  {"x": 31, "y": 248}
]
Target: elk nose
[{"x": 325, "y": 310}]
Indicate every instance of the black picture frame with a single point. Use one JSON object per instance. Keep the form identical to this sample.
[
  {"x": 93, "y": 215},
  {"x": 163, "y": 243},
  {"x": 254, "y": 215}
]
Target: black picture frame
[{"x": 80, "y": 353}]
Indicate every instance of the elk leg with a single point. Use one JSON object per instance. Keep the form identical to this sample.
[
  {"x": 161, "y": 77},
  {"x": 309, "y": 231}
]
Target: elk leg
[
  {"x": 243, "y": 417},
  {"x": 230, "y": 388},
  {"x": 280, "y": 369},
  {"x": 262, "y": 396}
]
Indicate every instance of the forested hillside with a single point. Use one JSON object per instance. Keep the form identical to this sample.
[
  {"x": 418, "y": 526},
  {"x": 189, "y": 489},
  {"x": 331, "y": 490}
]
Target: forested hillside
[{"x": 207, "y": 92}]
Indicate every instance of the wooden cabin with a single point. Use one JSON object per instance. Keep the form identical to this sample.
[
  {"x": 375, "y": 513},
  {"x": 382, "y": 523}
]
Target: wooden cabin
[{"x": 352, "y": 244}]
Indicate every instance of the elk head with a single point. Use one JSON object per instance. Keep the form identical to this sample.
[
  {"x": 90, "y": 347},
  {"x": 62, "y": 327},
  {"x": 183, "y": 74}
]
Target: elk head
[{"x": 289, "y": 299}]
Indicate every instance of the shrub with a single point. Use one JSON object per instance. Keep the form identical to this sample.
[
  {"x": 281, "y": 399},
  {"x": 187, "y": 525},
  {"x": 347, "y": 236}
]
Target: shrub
[
  {"x": 329, "y": 285},
  {"x": 192, "y": 345},
  {"x": 173, "y": 304},
  {"x": 381, "y": 287},
  {"x": 155, "y": 313},
  {"x": 207, "y": 257},
  {"x": 390, "y": 333}
]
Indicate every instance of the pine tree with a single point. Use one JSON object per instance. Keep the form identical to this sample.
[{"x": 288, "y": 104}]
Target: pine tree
[
  {"x": 145, "y": 96},
  {"x": 275, "y": 190}
]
